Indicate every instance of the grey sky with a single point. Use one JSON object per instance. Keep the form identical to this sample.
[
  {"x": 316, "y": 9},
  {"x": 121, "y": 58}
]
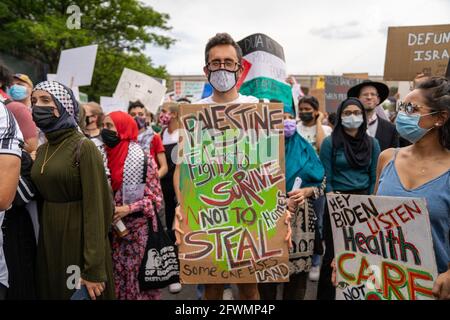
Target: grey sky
[{"x": 318, "y": 36}]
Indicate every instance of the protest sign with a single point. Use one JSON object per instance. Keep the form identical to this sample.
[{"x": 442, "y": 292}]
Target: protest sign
[
  {"x": 189, "y": 89},
  {"x": 233, "y": 194},
  {"x": 267, "y": 75},
  {"x": 383, "y": 247},
  {"x": 336, "y": 88},
  {"x": 363, "y": 75},
  {"x": 51, "y": 77},
  {"x": 76, "y": 66},
  {"x": 109, "y": 105},
  {"x": 416, "y": 49},
  {"x": 134, "y": 85},
  {"x": 447, "y": 74}
]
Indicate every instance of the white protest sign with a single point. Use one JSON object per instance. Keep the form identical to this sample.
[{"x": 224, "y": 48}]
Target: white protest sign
[
  {"x": 51, "y": 77},
  {"x": 109, "y": 105},
  {"x": 189, "y": 89},
  {"x": 76, "y": 93},
  {"x": 383, "y": 248},
  {"x": 404, "y": 88},
  {"x": 134, "y": 85},
  {"x": 76, "y": 66}
]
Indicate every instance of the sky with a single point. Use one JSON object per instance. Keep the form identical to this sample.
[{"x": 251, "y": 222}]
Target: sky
[{"x": 318, "y": 36}]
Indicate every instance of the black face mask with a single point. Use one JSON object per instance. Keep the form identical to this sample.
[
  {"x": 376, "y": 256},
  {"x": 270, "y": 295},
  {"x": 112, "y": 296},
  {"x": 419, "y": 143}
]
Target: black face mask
[
  {"x": 43, "y": 117},
  {"x": 306, "y": 116},
  {"x": 110, "y": 138},
  {"x": 140, "y": 122}
]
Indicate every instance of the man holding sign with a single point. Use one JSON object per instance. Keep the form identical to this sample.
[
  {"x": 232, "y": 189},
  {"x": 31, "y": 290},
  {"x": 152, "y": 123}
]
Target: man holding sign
[{"x": 223, "y": 68}]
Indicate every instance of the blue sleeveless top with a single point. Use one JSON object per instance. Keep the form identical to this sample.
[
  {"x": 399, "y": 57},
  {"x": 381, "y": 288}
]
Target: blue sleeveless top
[{"x": 437, "y": 194}]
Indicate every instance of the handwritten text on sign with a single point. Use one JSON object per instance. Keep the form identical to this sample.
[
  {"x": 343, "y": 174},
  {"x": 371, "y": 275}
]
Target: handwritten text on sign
[
  {"x": 233, "y": 194},
  {"x": 383, "y": 248}
]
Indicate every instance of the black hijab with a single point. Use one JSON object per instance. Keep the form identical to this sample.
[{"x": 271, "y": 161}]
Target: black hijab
[{"x": 358, "y": 149}]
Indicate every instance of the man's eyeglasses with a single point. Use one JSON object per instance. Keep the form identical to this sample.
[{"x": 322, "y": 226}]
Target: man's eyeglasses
[
  {"x": 366, "y": 95},
  {"x": 228, "y": 65},
  {"x": 348, "y": 113}
]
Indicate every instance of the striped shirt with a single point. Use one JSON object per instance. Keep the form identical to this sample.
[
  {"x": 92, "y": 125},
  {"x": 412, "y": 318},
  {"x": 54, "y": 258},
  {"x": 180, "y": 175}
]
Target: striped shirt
[{"x": 11, "y": 142}]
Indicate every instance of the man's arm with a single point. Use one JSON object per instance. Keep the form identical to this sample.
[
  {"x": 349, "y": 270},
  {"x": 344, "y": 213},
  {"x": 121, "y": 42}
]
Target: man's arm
[
  {"x": 10, "y": 153},
  {"x": 9, "y": 176}
]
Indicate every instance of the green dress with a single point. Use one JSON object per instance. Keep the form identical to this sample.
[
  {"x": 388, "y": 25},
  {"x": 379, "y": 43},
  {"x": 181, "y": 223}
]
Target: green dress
[{"x": 75, "y": 218}]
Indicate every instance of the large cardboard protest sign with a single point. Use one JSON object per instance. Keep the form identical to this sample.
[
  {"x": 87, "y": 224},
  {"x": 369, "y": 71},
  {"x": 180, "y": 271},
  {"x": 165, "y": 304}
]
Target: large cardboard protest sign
[
  {"x": 383, "y": 248},
  {"x": 134, "y": 85},
  {"x": 76, "y": 66},
  {"x": 266, "y": 77},
  {"x": 416, "y": 49},
  {"x": 336, "y": 88},
  {"x": 233, "y": 194}
]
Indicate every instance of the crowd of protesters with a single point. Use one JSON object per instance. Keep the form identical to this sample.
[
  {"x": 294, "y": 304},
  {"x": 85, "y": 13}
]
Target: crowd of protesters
[{"x": 65, "y": 169}]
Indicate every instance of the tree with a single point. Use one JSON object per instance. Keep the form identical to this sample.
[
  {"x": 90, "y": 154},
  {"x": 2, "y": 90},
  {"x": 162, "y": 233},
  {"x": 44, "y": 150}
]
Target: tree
[{"x": 37, "y": 29}]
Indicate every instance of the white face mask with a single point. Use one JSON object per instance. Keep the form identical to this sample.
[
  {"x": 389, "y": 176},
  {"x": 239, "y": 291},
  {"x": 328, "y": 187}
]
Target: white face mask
[
  {"x": 352, "y": 122},
  {"x": 222, "y": 80}
]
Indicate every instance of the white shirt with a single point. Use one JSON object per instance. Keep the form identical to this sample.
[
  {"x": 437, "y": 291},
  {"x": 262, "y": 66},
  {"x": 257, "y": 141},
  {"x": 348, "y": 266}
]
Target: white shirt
[
  {"x": 372, "y": 125},
  {"x": 170, "y": 138},
  {"x": 310, "y": 133},
  {"x": 240, "y": 99},
  {"x": 10, "y": 140}
]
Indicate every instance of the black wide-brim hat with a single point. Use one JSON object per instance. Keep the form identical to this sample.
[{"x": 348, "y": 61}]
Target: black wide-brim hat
[{"x": 382, "y": 89}]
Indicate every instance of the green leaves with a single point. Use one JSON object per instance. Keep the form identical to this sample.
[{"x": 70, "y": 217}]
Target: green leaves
[{"x": 122, "y": 28}]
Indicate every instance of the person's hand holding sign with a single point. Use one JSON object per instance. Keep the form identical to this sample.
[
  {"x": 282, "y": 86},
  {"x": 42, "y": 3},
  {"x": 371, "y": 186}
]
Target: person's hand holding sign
[
  {"x": 441, "y": 289},
  {"x": 176, "y": 224}
]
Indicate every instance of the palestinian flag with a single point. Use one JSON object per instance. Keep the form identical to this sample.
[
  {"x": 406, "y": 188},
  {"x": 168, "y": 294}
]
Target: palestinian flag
[{"x": 265, "y": 70}]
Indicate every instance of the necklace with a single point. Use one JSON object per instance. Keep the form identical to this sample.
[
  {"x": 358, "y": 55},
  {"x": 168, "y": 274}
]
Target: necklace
[{"x": 45, "y": 157}]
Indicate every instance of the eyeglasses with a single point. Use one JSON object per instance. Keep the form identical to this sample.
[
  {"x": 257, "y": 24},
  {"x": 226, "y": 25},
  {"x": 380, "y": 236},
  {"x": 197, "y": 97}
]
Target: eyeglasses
[
  {"x": 408, "y": 107},
  {"x": 366, "y": 95},
  {"x": 229, "y": 65},
  {"x": 348, "y": 113}
]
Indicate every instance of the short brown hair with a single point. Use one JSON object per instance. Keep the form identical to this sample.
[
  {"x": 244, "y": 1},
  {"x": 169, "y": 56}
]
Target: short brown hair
[
  {"x": 220, "y": 39},
  {"x": 96, "y": 111}
]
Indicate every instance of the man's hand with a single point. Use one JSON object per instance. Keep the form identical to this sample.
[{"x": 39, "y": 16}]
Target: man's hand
[
  {"x": 120, "y": 212},
  {"x": 291, "y": 80},
  {"x": 176, "y": 225},
  {"x": 95, "y": 289},
  {"x": 287, "y": 221},
  {"x": 333, "y": 273},
  {"x": 300, "y": 195},
  {"x": 441, "y": 288}
]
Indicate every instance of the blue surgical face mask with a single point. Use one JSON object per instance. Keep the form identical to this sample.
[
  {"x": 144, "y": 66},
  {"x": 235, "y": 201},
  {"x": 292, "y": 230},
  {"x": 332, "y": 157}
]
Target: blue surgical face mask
[
  {"x": 408, "y": 126},
  {"x": 17, "y": 92},
  {"x": 352, "y": 121}
]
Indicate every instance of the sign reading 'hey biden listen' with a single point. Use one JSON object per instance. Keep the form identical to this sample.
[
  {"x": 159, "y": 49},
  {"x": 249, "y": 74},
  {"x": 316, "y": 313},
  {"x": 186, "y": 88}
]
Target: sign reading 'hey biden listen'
[
  {"x": 233, "y": 194},
  {"x": 383, "y": 248}
]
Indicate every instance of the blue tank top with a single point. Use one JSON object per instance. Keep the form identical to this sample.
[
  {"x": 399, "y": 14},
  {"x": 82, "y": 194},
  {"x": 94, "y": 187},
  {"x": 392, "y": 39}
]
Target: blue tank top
[{"x": 437, "y": 194}]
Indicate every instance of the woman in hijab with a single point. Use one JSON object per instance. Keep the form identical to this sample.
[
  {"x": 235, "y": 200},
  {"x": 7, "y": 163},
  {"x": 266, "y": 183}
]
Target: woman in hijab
[
  {"x": 77, "y": 207},
  {"x": 301, "y": 162},
  {"x": 349, "y": 157},
  {"x": 131, "y": 169}
]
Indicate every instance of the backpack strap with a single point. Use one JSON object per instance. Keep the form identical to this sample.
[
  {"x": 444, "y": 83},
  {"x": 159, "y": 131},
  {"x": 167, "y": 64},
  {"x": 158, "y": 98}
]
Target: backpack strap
[
  {"x": 76, "y": 163},
  {"x": 144, "y": 178}
]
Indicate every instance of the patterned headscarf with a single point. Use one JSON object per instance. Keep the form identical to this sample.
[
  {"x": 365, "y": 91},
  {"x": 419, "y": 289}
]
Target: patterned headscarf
[
  {"x": 127, "y": 131},
  {"x": 65, "y": 101}
]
